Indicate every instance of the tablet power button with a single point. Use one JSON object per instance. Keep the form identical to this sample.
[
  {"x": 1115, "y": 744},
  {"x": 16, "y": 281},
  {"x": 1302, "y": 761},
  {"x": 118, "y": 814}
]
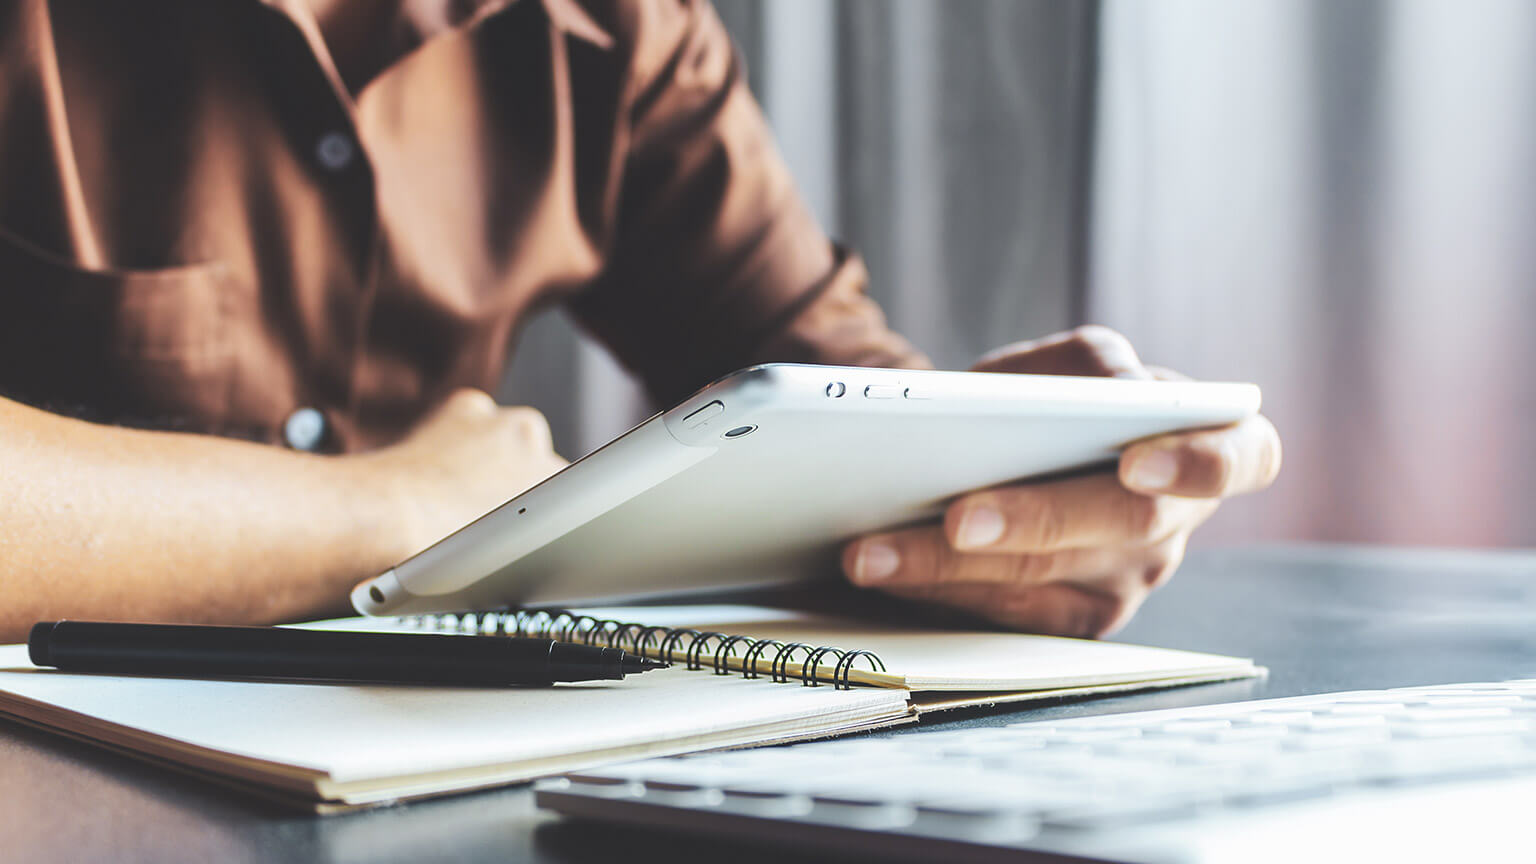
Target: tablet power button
[{"x": 704, "y": 415}]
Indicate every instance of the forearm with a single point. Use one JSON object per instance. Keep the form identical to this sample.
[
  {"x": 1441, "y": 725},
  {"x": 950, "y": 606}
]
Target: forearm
[{"x": 103, "y": 522}]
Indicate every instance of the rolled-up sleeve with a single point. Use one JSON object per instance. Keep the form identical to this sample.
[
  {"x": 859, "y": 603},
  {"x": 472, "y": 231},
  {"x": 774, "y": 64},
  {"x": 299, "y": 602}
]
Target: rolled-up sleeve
[{"x": 716, "y": 262}]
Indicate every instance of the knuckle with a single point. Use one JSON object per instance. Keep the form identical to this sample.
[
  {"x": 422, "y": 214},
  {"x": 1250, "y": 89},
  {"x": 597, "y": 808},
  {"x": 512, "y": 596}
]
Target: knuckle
[
  {"x": 1210, "y": 461},
  {"x": 934, "y": 564},
  {"x": 470, "y": 401},
  {"x": 527, "y": 423},
  {"x": 1111, "y": 611},
  {"x": 1097, "y": 336},
  {"x": 1003, "y": 354},
  {"x": 1158, "y": 575},
  {"x": 1102, "y": 344},
  {"x": 1098, "y": 614},
  {"x": 1164, "y": 559},
  {"x": 943, "y": 573},
  {"x": 925, "y": 559},
  {"x": 1039, "y": 520},
  {"x": 1032, "y": 569},
  {"x": 1159, "y": 571},
  {"x": 1145, "y": 515}
]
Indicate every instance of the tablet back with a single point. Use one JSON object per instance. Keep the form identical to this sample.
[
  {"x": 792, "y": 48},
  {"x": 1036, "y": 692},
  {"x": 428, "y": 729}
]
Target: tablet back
[{"x": 760, "y": 477}]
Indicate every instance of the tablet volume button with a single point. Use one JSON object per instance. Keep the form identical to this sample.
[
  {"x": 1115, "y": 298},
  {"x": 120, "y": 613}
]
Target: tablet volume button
[
  {"x": 704, "y": 415},
  {"x": 882, "y": 391}
]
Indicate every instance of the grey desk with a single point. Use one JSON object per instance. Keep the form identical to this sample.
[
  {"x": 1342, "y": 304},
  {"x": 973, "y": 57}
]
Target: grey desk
[{"x": 1321, "y": 618}]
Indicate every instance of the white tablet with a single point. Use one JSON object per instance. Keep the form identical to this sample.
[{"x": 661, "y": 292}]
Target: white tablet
[{"x": 760, "y": 477}]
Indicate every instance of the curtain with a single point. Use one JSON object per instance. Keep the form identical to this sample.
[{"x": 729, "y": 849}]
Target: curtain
[{"x": 1336, "y": 200}]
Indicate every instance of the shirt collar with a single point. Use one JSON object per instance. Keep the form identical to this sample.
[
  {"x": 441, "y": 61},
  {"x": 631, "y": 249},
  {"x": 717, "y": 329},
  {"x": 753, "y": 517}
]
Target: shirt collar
[
  {"x": 566, "y": 15},
  {"x": 574, "y": 20}
]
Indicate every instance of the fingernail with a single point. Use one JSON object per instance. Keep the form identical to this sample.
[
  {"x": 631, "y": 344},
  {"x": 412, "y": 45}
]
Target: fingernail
[
  {"x": 877, "y": 561},
  {"x": 980, "y": 526},
  {"x": 1155, "y": 470}
]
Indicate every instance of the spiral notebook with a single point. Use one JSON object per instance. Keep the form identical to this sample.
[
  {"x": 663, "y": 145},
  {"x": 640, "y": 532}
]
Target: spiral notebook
[{"x": 741, "y": 676}]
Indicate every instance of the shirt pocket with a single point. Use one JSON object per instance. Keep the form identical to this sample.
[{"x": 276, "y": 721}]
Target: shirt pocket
[{"x": 137, "y": 347}]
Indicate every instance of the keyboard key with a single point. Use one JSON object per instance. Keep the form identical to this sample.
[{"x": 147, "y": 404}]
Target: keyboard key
[
  {"x": 1328, "y": 722},
  {"x": 1480, "y": 700},
  {"x": 1278, "y": 791},
  {"x": 1345, "y": 739},
  {"x": 874, "y": 815},
  {"x": 1121, "y": 813},
  {"x": 1368, "y": 708},
  {"x": 682, "y": 795},
  {"x": 1447, "y": 713},
  {"x": 1464, "y": 728},
  {"x": 1016, "y": 795},
  {"x": 773, "y": 805},
  {"x": 1204, "y": 724},
  {"x": 1245, "y": 733},
  {"x": 1227, "y": 754},
  {"x": 984, "y": 826},
  {"x": 1445, "y": 760},
  {"x": 1282, "y": 717},
  {"x": 1093, "y": 736}
]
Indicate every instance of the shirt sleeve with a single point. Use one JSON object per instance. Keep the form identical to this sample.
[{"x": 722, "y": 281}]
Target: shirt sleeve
[{"x": 716, "y": 262}]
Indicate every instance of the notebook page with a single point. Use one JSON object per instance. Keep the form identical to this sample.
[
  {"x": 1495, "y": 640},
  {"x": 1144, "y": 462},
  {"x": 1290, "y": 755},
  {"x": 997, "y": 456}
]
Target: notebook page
[
  {"x": 951, "y": 660},
  {"x": 357, "y": 734}
]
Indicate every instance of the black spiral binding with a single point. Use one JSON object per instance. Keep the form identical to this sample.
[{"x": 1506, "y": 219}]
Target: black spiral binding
[{"x": 660, "y": 643}]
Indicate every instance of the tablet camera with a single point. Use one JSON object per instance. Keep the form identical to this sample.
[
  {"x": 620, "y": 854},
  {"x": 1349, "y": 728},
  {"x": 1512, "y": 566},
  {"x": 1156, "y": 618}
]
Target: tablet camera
[{"x": 739, "y": 431}]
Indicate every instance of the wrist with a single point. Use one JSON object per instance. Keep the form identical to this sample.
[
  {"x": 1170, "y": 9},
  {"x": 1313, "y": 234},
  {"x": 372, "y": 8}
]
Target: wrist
[{"x": 384, "y": 510}]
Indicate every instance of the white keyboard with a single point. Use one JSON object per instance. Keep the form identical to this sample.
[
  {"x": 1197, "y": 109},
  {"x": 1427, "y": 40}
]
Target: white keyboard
[{"x": 1404, "y": 774}]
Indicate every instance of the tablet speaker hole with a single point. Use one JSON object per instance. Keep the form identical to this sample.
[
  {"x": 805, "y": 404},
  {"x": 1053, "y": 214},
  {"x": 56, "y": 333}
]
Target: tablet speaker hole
[
  {"x": 376, "y": 594},
  {"x": 739, "y": 431}
]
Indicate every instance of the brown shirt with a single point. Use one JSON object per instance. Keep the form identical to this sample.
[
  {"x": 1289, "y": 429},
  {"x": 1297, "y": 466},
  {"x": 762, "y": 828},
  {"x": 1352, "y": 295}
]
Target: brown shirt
[{"x": 206, "y": 223}]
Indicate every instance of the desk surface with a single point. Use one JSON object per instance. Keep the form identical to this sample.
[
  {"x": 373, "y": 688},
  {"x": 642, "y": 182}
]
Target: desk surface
[{"x": 1322, "y": 619}]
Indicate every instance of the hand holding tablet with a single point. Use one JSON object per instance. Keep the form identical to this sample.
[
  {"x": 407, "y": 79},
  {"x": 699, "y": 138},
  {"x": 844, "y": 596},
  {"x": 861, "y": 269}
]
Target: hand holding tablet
[
  {"x": 1075, "y": 556},
  {"x": 763, "y": 476}
]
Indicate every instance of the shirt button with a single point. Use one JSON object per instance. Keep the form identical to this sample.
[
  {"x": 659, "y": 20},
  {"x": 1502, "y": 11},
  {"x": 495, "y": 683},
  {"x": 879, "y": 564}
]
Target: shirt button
[
  {"x": 304, "y": 430},
  {"x": 335, "y": 151}
]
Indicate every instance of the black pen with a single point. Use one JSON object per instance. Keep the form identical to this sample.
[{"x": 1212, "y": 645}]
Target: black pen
[{"x": 198, "y": 651}]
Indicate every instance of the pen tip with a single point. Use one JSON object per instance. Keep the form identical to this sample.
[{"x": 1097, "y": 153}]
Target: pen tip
[{"x": 634, "y": 664}]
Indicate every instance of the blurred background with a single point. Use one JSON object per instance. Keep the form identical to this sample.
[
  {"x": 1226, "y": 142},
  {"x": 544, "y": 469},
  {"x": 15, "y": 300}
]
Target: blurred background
[{"x": 1335, "y": 199}]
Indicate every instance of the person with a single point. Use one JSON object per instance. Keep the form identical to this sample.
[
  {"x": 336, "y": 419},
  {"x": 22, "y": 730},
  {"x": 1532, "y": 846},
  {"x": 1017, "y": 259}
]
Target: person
[{"x": 260, "y": 261}]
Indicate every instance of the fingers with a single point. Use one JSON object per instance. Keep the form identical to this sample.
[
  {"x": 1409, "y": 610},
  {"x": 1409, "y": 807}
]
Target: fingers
[
  {"x": 922, "y": 556},
  {"x": 1074, "y": 592},
  {"x": 1089, "y": 350},
  {"x": 1088, "y": 606},
  {"x": 1212, "y": 463},
  {"x": 1055, "y": 609},
  {"x": 1077, "y": 513},
  {"x": 1063, "y": 609}
]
